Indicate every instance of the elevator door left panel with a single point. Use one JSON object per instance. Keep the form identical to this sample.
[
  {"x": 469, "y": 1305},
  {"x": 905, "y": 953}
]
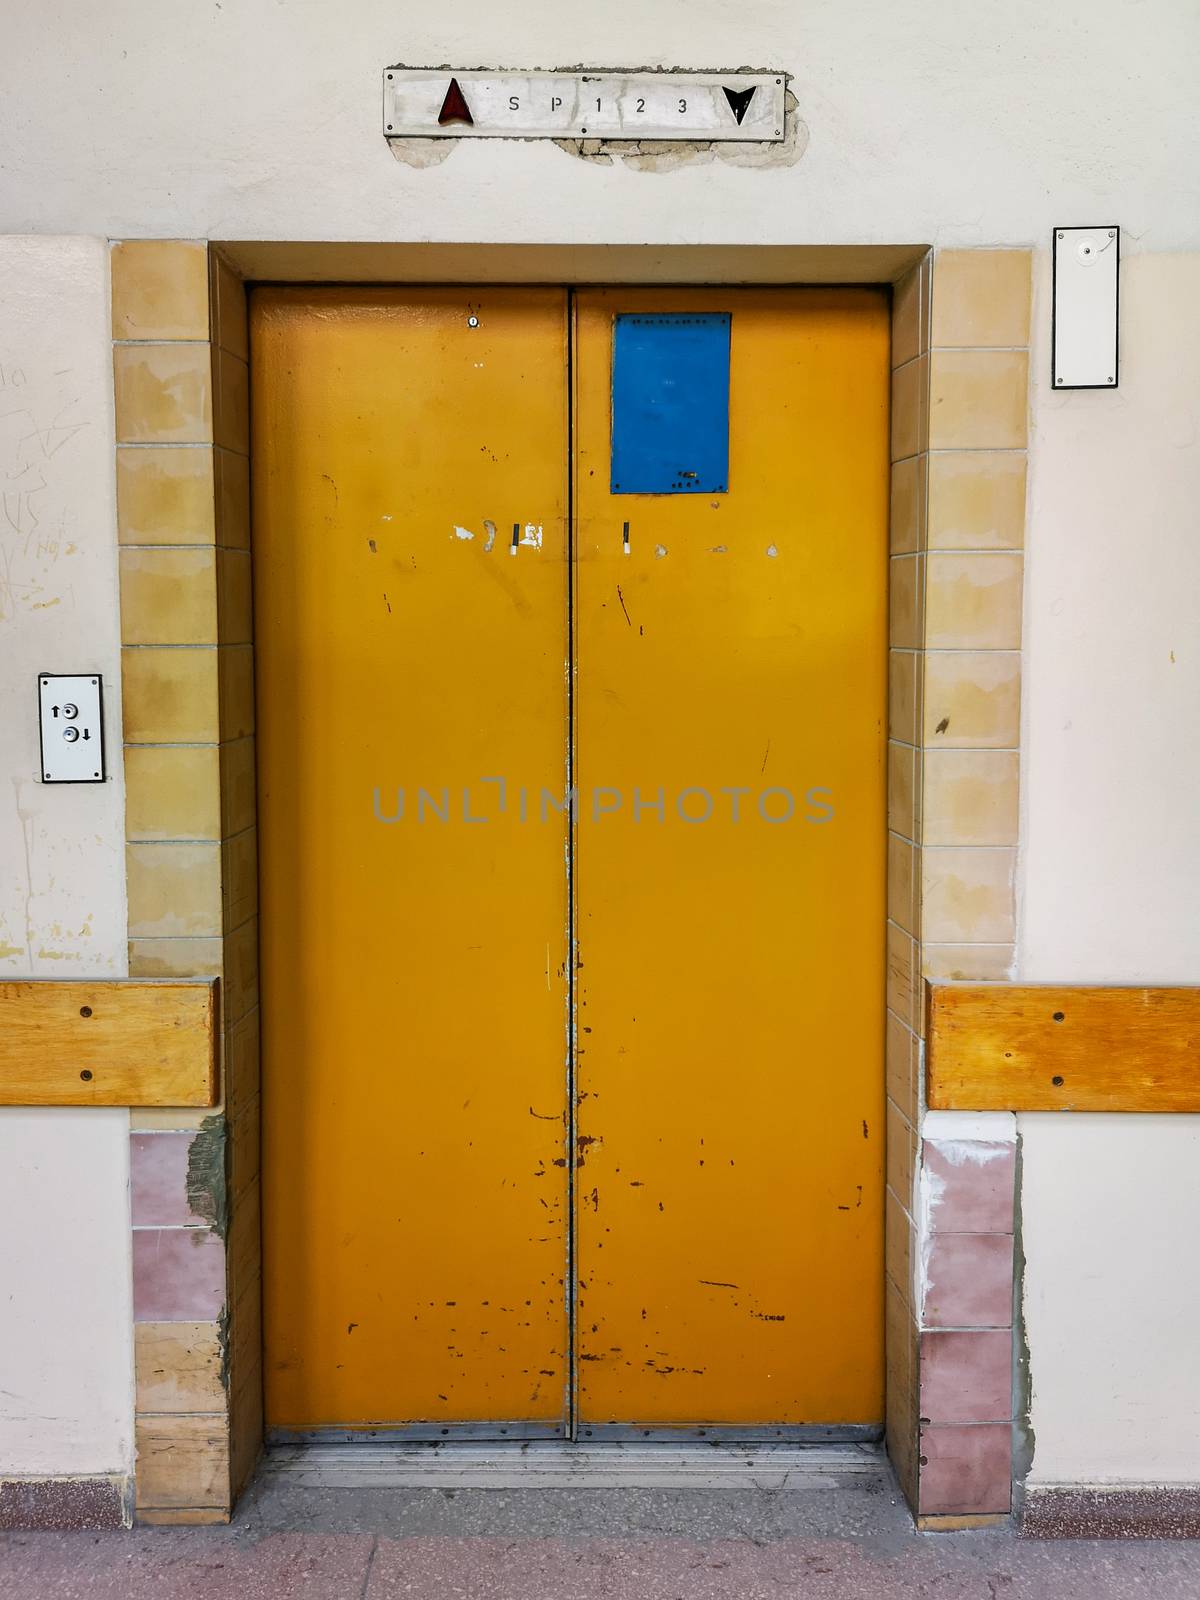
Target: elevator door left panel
[{"x": 411, "y": 647}]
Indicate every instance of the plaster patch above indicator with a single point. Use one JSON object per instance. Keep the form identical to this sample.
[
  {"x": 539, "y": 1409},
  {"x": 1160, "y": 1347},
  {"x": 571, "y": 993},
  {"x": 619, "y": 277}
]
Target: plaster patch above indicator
[
  {"x": 441, "y": 103},
  {"x": 670, "y": 403}
]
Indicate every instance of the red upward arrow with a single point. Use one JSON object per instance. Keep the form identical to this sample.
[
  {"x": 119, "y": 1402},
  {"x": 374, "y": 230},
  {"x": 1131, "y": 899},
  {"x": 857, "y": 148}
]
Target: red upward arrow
[{"x": 454, "y": 106}]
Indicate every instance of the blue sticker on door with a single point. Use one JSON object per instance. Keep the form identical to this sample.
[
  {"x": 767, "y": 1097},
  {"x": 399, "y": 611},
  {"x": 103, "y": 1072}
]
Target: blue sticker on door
[{"x": 670, "y": 403}]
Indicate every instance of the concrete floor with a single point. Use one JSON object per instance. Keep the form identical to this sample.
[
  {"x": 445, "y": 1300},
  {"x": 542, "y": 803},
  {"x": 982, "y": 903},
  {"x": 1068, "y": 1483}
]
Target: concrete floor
[{"x": 832, "y": 1540}]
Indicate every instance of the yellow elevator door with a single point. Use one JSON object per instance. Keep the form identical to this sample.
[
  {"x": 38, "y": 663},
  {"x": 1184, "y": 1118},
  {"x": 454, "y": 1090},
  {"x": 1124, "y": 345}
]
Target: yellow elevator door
[
  {"x": 414, "y": 967},
  {"x": 509, "y": 1189},
  {"x": 731, "y": 664}
]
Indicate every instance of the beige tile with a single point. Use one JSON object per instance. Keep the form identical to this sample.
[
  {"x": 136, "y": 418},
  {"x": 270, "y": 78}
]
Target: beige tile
[
  {"x": 178, "y": 1366},
  {"x": 241, "y": 971},
  {"x": 901, "y": 1057},
  {"x": 246, "y": 1437},
  {"x": 160, "y": 289},
  {"x": 902, "y": 884},
  {"x": 246, "y": 1430},
  {"x": 237, "y": 787},
  {"x": 904, "y": 683},
  {"x": 229, "y": 309},
  {"x": 183, "y": 1461},
  {"x": 241, "y": 1063},
  {"x": 163, "y": 393},
  {"x": 235, "y": 624},
  {"x": 245, "y": 1334},
  {"x": 231, "y": 401},
  {"x": 244, "y": 1136},
  {"x": 245, "y": 1242},
  {"x": 165, "y": 494},
  {"x": 908, "y": 511},
  {"x": 169, "y": 696},
  {"x": 973, "y": 601},
  {"x": 176, "y": 958},
  {"x": 900, "y": 1339},
  {"x": 181, "y": 1516},
  {"x": 976, "y": 500},
  {"x": 967, "y": 895},
  {"x": 246, "y": 1388},
  {"x": 901, "y": 972},
  {"x": 899, "y": 1247},
  {"x": 900, "y": 1331},
  {"x": 972, "y": 699},
  {"x": 902, "y": 810},
  {"x": 168, "y": 596},
  {"x": 970, "y": 963},
  {"x": 905, "y": 601},
  {"x": 919, "y": 1025},
  {"x": 233, "y": 500},
  {"x": 978, "y": 399},
  {"x": 969, "y": 797},
  {"x": 172, "y": 792},
  {"x": 239, "y": 878},
  {"x": 910, "y": 408},
  {"x": 982, "y": 297},
  {"x": 236, "y": 675},
  {"x": 901, "y": 1154},
  {"x": 910, "y": 319},
  {"x": 246, "y": 1397},
  {"x": 174, "y": 890},
  {"x": 902, "y": 1438},
  {"x": 168, "y": 1118}
]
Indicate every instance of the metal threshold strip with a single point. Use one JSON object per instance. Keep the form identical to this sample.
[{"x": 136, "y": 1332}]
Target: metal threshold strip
[{"x": 555, "y": 1464}]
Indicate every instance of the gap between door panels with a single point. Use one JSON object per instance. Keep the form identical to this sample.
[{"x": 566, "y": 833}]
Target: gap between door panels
[{"x": 572, "y": 1293}]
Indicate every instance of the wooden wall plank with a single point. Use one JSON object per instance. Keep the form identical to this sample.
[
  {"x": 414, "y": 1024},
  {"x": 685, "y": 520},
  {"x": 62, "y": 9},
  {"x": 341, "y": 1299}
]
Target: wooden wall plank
[
  {"x": 1042, "y": 1047},
  {"x": 116, "y": 1042}
]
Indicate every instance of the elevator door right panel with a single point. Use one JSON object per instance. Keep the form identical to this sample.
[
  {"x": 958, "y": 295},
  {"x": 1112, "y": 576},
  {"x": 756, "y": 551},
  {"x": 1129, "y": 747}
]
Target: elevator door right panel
[{"x": 731, "y": 664}]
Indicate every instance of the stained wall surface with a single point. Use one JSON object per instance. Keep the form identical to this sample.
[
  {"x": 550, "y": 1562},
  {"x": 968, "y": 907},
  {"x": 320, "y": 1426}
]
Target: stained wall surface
[{"x": 66, "y": 1405}]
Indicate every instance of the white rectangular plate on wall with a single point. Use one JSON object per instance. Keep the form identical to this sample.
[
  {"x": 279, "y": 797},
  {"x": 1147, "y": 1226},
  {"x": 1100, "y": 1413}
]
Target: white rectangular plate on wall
[
  {"x": 72, "y": 727},
  {"x": 1086, "y": 287},
  {"x": 448, "y": 104}
]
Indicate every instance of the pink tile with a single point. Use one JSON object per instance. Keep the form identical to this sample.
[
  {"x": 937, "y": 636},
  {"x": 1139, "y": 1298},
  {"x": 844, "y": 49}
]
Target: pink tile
[
  {"x": 972, "y": 1185},
  {"x": 966, "y": 1469},
  {"x": 178, "y": 1275},
  {"x": 158, "y": 1165},
  {"x": 966, "y": 1377},
  {"x": 969, "y": 1283}
]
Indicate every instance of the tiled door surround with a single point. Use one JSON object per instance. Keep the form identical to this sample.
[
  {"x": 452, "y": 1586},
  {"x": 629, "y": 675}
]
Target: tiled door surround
[
  {"x": 959, "y": 407},
  {"x": 183, "y": 517},
  {"x": 960, "y": 337}
]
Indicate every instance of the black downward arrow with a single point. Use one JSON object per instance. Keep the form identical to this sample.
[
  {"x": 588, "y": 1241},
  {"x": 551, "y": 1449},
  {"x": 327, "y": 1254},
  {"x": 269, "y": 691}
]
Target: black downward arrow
[{"x": 739, "y": 101}]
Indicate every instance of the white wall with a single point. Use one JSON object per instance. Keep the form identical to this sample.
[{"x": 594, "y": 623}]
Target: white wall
[
  {"x": 65, "y": 1334},
  {"x": 928, "y": 121},
  {"x": 1110, "y": 1206},
  {"x": 1110, "y": 881}
]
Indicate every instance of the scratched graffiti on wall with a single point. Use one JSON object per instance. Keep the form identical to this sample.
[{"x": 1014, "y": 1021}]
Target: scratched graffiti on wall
[
  {"x": 39, "y": 417},
  {"x": 61, "y": 860}
]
